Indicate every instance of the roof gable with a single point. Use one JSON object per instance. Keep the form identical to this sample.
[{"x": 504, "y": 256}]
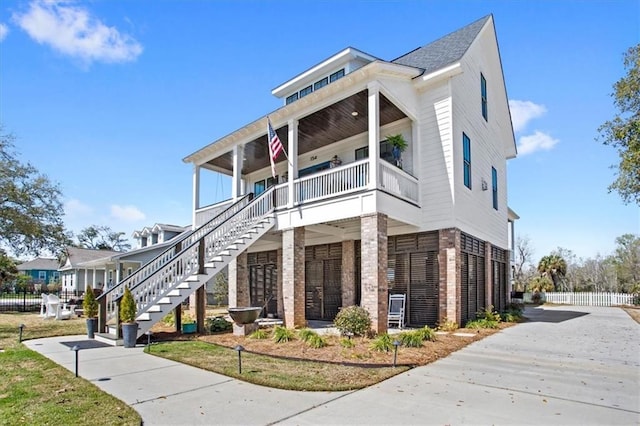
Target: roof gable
[
  {"x": 444, "y": 51},
  {"x": 80, "y": 255},
  {"x": 39, "y": 263}
]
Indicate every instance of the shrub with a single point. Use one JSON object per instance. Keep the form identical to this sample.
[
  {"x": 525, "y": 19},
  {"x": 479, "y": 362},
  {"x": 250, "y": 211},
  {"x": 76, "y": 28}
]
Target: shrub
[
  {"x": 282, "y": 334},
  {"x": 127, "y": 307},
  {"x": 488, "y": 314},
  {"x": 509, "y": 317},
  {"x": 260, "y": 333},
  {"x": 347, "y": 343},
  {"x": 218, "y": 324},
  {"x": 411, "y": 339},
  {"x": 305, "y": 334},
  {"x": 482, "y": 323},
  {"x": 428, "y": 333},
  {"x": 90, "y": 304},
  {"x": 170, "y": 319},
  {"x": 382, "y": 343},
  {"x": 353, "y": 320},
  {"x": 316, "y": 341},
  {"x": 447, "y": 325}
]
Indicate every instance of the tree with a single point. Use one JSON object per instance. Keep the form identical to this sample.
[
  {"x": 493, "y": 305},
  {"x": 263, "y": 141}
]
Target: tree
[
  {"x": 627, "y": 261},
  {"x": 523, "y": 269},
  {"x": 30, "y": 205},
  {"x": 8, "y": 270},
  {"x": 623, "y": 132},
  {"x": 553, "y": 267},
  {"x": 102, "y": 238},
  {"x": 540, "y": 284}
]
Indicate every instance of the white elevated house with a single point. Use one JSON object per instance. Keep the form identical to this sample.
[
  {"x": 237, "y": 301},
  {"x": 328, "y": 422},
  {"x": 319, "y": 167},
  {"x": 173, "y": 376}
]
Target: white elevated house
[{"x": 345, "y": 221}]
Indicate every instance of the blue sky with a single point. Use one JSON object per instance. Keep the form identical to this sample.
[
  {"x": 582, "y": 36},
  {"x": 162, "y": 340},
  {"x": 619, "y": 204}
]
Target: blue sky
[{"x": 107, "y": 97}]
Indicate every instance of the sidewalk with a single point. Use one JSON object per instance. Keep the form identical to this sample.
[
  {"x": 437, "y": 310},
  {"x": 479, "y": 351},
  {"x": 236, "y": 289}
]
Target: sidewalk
[{"x": 567, "y": 365}]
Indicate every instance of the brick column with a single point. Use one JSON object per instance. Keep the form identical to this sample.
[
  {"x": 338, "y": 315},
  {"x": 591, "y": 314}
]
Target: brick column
[
  {"x": 239, "y": 282},
  {"x": 373, "y": 230},
  {"x": 293, "y": 285},
  {"x": 348, "y": 273},
  {"x": 280, "y": 308},
  {"x": 449, "y": 271}
]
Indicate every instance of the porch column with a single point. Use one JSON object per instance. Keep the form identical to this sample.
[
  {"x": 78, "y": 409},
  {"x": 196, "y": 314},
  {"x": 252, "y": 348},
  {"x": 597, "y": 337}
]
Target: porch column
[
  {"x": 86, "y": 279},
  {"x": 348, "y": 273},
  {"x": 239, "y": 282},
  {"x": 118, "y": 270},
  {"x": 196, "y": 195},
  {"x": 450, "y": 290},
  {"x": 374, "y": 132},
  {"x": 292, "y": 166},
  {"x": 373, "y": 229},
  {"x": 236, "y": 183},
  {"x": 293, "y": 276}
]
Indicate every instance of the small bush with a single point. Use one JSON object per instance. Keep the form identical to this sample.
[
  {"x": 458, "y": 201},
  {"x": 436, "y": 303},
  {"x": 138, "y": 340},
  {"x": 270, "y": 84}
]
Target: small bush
[
  {"x": 282, "y": 334},
  {"x": 169, "y": 319},
  {"x": 488, "y": 314},
  {"x": 382, "y": 343},
  {"x": 447, "y": 325},
  {"x": 127, "y": 307},
  {"x": 260, "y": 333},
  {"x": 218, "y": 324},
  {"x": 347, "y": 343},
  {"x": 353, "y": 320},
  {"x": 428, "y": 333},
  {"x": 509, "y": 317},
  {"x": 305, "y": 334},
  {"x": 482, "y": 323},
  {"x": 411, "y": 339},
  {"x": 90, "y": 304},
  {"x": 316, "y": 341}
]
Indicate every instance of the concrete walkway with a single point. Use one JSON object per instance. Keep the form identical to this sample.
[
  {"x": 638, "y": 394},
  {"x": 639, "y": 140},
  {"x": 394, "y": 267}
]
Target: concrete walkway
[{"x": 567, "y": 365}]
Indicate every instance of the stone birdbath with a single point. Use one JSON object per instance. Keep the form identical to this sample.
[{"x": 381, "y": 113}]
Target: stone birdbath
[{"x": 244, "y": 320}]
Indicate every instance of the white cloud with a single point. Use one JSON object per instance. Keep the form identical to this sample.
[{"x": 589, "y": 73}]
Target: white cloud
[
  {"x": 522, "y": 112},
  {"x": 76, "y": 208},
  {"x": 4, "y": 30},
  {"x": 538, "y": 141},
  {"x": 74, "y": 32},
  {"x": 127, "y": 213}
]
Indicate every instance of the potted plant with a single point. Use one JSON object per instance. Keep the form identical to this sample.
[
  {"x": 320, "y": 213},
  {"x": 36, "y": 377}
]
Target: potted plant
[
  {"x": 398, "y": 144},
  {"x": 188, "y": 323},
  {"x": 90, "y": 310},
  {"x": 128, "y": 319}
]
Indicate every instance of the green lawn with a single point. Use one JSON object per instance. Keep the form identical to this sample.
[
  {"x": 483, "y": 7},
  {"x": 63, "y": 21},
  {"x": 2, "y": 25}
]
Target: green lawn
[{"x": 35, "y": 390}]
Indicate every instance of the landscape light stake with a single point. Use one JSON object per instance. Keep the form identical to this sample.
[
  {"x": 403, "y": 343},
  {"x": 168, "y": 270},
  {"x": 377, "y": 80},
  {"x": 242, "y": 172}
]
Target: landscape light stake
[
  {"x": 396, "y": 343},
  {"x": 21, "y": 327},
  {"x": 149, "y": 333},
  {"x": 76, "y": 348},
  {"x": 239, "y": 348}
]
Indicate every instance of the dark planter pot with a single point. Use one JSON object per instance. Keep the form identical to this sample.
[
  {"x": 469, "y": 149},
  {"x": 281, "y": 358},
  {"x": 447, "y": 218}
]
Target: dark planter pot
[
  {"x": 92, "y": 327},
  {"x": 130, "y": 334}
]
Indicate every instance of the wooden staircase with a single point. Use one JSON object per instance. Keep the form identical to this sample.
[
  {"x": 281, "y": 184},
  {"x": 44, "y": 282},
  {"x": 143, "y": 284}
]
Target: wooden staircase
[{"x": 166, "y": 281}]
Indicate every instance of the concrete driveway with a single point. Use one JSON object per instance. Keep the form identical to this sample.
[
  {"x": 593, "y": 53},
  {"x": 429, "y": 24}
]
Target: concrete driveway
[{"x": 566, "y": 365}]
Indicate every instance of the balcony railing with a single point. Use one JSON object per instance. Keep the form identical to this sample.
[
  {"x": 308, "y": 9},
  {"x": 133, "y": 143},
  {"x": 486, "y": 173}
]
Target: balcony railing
[
  {"x": 205, "y": 214},
  {"x": 333, "y": 182},
  {"x": 397, "y": 182}
]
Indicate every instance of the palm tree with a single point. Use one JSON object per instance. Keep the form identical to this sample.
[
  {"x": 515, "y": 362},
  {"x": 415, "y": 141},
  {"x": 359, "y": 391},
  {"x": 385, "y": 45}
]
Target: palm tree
[{"x": 554, "y": 267}]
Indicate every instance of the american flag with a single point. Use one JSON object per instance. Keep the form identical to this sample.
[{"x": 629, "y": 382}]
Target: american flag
[{"x": 275, "y": 146}]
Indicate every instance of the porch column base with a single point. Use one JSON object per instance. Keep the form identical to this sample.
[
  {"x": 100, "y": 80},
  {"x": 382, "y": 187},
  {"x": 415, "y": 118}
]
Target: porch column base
[
  {"x": 449, "y": 272},
  {"x": 293, "y": 277},
  {"x": 348, "y": 273},
  {"x": 244, "y": 329},
  {"x": 373, "y": 229}
]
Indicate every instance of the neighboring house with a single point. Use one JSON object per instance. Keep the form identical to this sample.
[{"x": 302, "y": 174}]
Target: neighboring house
[
  {"x": 41, "y": 270},
  {"x": 104, "y": 269},
  {"x": 346, "y": 220}
]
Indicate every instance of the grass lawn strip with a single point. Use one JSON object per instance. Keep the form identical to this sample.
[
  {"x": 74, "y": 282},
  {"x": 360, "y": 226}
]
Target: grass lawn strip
[{"x": 35, "y": 390}]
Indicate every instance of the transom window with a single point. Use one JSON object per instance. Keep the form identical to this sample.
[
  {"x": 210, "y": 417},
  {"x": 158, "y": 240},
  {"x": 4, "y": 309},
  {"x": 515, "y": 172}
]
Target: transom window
[
  {"x": 483, "y": 94},
  {"x": 317, "y": 85},
  {"x": 466, "y": 153},
  {"x": 304, "y": 92}
]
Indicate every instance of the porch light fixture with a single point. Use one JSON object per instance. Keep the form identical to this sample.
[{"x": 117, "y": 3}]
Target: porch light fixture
[
  {"x": 396, "y": 343},
  {"x": 21, "y": 327},
  {"x": 239, "y": 348},
  {"x": 76, "y": 348}
]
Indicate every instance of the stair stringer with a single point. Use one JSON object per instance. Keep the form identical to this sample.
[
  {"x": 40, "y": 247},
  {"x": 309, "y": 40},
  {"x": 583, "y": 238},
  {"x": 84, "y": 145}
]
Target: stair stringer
[{"x": 178, "y": 293}]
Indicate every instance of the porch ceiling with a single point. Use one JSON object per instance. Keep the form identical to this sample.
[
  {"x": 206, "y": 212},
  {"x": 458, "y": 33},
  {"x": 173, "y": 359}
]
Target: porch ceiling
[{"x": 324, "y": 127}]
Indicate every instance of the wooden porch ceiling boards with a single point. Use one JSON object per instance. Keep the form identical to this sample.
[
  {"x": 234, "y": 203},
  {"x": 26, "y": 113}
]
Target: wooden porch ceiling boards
[{"x": 329, "y": 125}]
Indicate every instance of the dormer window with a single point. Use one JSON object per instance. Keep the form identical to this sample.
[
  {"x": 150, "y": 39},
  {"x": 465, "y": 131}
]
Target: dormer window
[
  {"x": 143, "y": 241},
  {"x": 315, "y": 86}
]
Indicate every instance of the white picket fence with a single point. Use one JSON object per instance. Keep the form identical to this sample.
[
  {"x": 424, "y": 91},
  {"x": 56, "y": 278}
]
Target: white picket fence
[{"x": 585, "y": 299}]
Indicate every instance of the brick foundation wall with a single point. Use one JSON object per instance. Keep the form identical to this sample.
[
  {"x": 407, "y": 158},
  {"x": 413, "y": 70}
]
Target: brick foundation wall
[
  {"x": 280, "y": 308},
  {"x": 449, "y": 270},
  {"x": 374, "y": 255},
  {"x": 293, "y": 274},
  {"x": 239, "y": 282}
]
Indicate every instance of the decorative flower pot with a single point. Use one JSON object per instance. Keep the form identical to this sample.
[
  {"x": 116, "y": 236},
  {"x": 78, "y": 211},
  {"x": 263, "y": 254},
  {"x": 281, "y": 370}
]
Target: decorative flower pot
[
  {"x": 92, "y": 327},
  {"x": 129, "y": 334},
  {"x": 189, "y": 328}
]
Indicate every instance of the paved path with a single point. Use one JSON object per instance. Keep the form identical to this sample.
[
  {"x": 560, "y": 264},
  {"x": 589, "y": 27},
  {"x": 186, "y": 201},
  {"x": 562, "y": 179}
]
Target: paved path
[{"x": 567, "y": 365}]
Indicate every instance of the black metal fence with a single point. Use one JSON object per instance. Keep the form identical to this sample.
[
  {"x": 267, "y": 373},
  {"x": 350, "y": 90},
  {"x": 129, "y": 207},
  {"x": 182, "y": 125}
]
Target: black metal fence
[{"x": 30, "y": 301}]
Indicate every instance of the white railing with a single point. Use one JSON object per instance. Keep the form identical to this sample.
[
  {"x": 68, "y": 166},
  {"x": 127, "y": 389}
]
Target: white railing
[
  {"x": 397, "y": 182},
  {"x": 328, "y": 183},
  {"x": 167, "y": 257},
  {"x": 586, "y": 299},
  {"x": 205, "y": 214},
  {"x": 282, "y": 195}
]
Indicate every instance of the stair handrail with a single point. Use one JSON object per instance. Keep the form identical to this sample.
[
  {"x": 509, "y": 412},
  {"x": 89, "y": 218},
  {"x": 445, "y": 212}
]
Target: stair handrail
[
  {"x": 191, "y": 259},
  {"x": 171, "y": 252}
]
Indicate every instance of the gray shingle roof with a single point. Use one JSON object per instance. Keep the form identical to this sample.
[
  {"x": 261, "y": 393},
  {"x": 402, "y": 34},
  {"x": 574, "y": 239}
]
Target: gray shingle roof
[
  {"x": 444, "y": 51},
  {"x": 40, "y": 263},
  {"x": 79, "y": 255}
]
